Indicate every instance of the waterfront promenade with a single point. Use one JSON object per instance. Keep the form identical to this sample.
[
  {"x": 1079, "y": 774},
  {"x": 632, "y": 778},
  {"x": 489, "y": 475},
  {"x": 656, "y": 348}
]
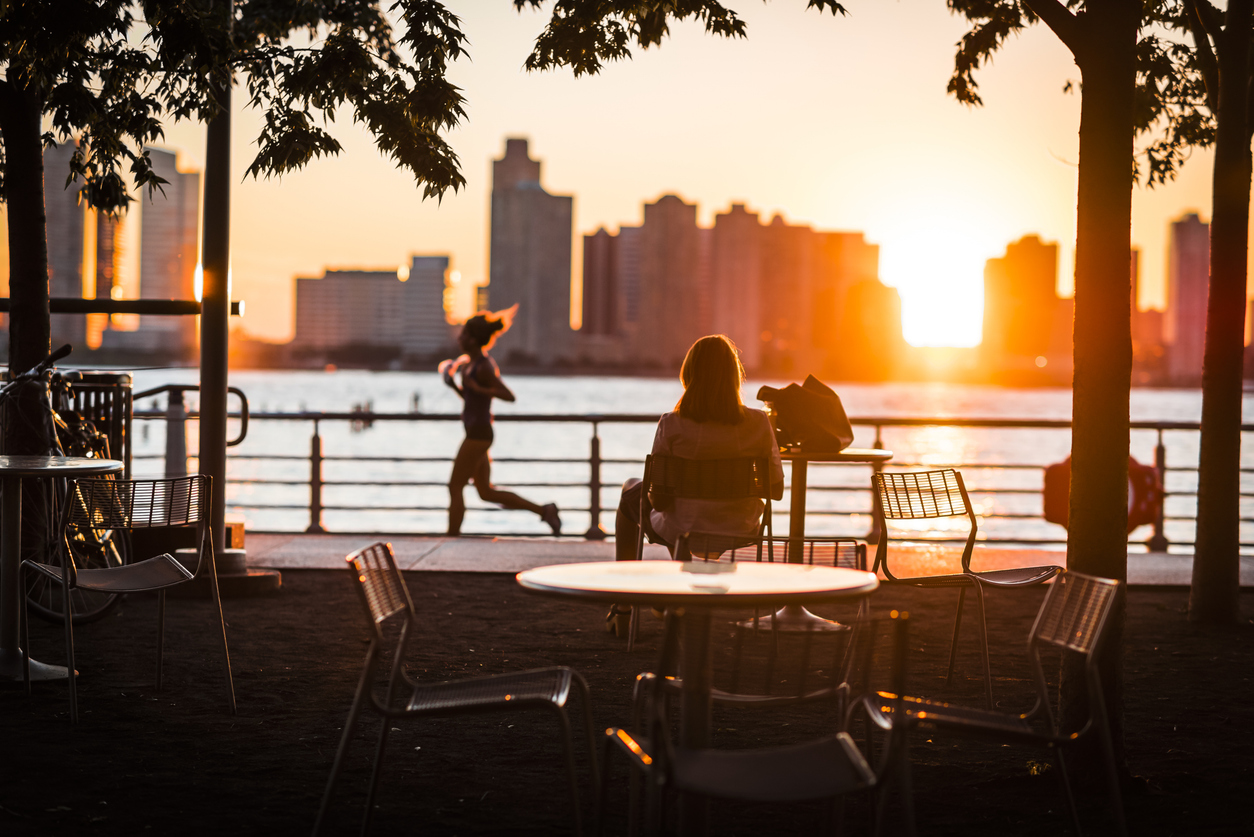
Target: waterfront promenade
[{"x": 513, "y": 555}]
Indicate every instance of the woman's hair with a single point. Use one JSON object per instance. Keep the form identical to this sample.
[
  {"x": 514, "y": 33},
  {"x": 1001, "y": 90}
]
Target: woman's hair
[
  {"x": 486, "y": 326},
  {"x": 712, "y": 375}
]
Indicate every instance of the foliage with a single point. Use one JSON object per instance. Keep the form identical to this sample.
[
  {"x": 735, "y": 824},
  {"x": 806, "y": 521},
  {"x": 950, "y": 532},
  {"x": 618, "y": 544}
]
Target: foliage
[{"x": 1169, "y": 83}]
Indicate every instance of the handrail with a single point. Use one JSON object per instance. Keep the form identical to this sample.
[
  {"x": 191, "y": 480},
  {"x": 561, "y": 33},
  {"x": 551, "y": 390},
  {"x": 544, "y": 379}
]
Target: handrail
[{"x": 318, "y": 457}]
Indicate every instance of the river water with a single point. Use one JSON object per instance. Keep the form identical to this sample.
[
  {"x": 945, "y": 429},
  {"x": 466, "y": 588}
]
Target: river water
[{"x": 400, "y": 392}]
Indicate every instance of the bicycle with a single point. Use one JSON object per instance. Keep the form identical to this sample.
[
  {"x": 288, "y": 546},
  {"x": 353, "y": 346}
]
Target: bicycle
[{"x": 40, "y": 398}]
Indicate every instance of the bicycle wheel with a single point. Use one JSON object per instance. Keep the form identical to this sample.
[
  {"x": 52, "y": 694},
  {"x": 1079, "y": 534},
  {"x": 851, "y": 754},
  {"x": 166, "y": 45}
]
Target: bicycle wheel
[{"x": 91, "y": 551}]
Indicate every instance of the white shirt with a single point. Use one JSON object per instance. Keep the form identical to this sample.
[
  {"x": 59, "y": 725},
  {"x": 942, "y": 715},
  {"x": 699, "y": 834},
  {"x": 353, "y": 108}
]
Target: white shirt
[{"x": 679, "y": 436}]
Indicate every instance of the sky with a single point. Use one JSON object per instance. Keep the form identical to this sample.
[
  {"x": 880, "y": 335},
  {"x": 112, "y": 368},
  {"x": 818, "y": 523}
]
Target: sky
[{"x": 839, "y": 123}]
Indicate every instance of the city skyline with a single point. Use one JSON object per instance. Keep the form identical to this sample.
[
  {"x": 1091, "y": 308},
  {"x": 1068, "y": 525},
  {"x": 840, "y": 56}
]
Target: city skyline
[{"x": 843, "y": 131}]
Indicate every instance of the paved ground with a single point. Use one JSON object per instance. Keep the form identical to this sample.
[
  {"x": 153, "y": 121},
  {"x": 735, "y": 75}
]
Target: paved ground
[{"x": 512, "y": 555}]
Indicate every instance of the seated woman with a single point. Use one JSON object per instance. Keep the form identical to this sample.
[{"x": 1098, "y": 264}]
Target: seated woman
[{"x": 709, "y": 422}]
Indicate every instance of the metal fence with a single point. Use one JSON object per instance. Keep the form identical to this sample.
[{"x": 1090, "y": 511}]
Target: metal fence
[{"x": 1007, "y": 493}]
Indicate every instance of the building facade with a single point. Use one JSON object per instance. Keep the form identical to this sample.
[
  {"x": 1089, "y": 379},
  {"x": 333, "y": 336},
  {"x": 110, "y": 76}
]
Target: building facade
[
  {"x": 529, "y": 258},
  {"x": 1188, "y": 277}
]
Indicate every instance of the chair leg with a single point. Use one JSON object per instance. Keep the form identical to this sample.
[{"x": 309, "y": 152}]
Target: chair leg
[
  {"x": 633, "y": 625},
  {"x": 589, "y": 730},
  {"x": 338, "y": 764},
  {"x": 988, "y": 670},
  {"x": 24, "y": 615},
  {"x": 375, "y": 775},
  {"x": 160, "y": 634},
  {"x": 1068, "y": 796},
  {"x": 953, "y": 646},
  {"x": 71, "y": 674},
  {"x": 603, "y": 790},
  {"x": 226, "y": 654},
  {"x": 568, "y": 750}
]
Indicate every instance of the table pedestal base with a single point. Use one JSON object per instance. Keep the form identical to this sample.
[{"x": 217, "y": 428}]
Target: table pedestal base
[
  {"x": 796, "y": 619},
  {"x": 11, "y": 669}
]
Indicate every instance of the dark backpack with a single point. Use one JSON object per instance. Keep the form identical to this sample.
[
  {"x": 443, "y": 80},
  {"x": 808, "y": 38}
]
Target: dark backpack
[{"x": 809, "y": 416}]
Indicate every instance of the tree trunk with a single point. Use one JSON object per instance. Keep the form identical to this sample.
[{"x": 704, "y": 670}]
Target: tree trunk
[
  {"x": 29, "y": 329},
  {"x": 1216, "y": 564},
  {"x": 1097, "y": 540}
]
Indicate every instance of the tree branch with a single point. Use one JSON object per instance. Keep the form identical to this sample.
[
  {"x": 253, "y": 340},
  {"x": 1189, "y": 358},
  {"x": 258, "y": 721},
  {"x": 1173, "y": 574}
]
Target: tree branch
[
  {"x": 1059, "y": 19},
  {"x": 1206, "y": 60}
]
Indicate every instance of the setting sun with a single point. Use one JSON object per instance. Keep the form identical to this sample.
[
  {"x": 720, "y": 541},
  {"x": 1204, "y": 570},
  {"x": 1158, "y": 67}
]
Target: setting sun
[{"x": 940, "y": 276}]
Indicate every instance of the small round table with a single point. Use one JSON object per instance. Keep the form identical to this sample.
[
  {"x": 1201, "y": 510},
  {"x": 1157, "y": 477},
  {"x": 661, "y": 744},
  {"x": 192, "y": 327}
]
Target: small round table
[
  {"x": 14, "y": 469},
  {"x": 698, "y": 587},
  {"x": 795, "y": 617}
]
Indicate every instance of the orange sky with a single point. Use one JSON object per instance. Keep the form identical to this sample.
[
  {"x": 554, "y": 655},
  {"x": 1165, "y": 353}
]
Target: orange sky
[{"x": 839, "y": 123}]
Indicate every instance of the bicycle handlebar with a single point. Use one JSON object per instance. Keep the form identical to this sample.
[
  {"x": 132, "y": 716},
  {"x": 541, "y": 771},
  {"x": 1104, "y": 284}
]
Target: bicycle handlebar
[{"x": 38, "y": 369}]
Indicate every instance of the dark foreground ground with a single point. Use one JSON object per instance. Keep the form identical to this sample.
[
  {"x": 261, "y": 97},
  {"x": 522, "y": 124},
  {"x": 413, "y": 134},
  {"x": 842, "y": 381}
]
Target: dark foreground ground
[{"x": 176, "y": 763}]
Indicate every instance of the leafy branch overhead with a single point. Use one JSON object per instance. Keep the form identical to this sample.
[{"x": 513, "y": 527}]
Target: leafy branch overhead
[{"x": 1170, "y": 90}]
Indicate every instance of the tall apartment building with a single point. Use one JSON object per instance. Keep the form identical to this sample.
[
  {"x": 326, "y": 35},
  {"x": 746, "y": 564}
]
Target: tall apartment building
[
  {"x": 1188, "y": 276},
  {"x": 786, "y": 311},
  {"x": 736, "y": 267},
  {"x": 600, "y": 284},
  {"x": 530, "y": 257},
  {"x": 670, "y": 283},
  {"x": 1026, "y": 325},
  {"x": 425, "y": 330},
  {"x": 169, "y": 251},
  {"x": 67, "y": 243},
  {"x": 374, "y": 310}
]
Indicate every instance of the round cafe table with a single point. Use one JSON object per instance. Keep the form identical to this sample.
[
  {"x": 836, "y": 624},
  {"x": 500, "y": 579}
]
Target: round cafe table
[
  {"x": 795, "y": 617},
  {"x": 13, "y": 470},
  {"x": 698, "y": 587}
]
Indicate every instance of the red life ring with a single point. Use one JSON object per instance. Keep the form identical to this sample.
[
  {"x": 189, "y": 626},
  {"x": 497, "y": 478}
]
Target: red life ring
[{"x": 1145, "y": 493}]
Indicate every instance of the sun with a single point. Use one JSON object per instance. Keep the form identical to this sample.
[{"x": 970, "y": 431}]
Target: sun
[{"x": 940, "y": 276}]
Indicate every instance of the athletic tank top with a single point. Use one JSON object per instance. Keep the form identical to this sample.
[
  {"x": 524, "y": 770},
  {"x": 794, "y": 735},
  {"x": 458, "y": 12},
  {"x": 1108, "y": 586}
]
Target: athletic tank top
[{"x": 476, "y": 406}]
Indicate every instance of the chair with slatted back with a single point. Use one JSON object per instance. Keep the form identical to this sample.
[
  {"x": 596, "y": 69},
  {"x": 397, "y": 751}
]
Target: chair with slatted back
[
  {"x": 387, "y": 603},
  {"x": 127, "y": 506},
  {"x": 828, "y": 767},
  {"x": 936, "y": 494},
  {"x": 671, "y": 478},
  {"x": 1072, "y": 620}
]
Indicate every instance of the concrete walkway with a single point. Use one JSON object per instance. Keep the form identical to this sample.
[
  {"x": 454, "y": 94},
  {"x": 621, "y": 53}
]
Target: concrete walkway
[{"x": 512, "y": 555}]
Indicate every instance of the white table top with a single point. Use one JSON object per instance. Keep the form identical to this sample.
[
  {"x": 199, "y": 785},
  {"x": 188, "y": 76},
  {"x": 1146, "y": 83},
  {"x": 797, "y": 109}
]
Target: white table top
[
  {"x": 863, "y": 455},
  {"x": 57, "y": 466},
  {"x": 698, "y": 583}
]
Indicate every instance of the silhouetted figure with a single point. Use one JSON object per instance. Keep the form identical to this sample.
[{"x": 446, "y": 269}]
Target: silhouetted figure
[
  {"x": 480, "y": 383},
  {"x": 709, "y": 422}
]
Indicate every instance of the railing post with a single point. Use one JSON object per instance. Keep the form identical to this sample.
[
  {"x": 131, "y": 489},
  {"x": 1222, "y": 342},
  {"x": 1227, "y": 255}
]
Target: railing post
[
  {"x": 175, "y": 434},
  {"x": 877, "y": 514},
  {"x": 315, "y": 483},
  {"x": 1158, "y": 540},
  {"x": 595, "y": 531}
]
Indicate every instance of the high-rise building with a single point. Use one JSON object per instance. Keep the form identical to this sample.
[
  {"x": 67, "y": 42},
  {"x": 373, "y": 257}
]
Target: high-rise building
[
  {"x": 374, "y": 310},
  {"x": 670, "y": 283},
  {"x": 1026, "y": 325},
  {"x": 66, "y": 241},
  {"x": 168, "y": 254},
  {"x": 736, "y": 266},
  {"x": 530, "y": 257},
  {"x": 1188, "y": 275},
  {"x": 600, "y": 283},
  {"x": 785, "y": 300},
  {"x": 425, "y": 330}
]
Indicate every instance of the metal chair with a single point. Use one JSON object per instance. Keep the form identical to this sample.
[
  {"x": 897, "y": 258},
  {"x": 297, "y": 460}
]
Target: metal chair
[
  {"x": 828, "y": 767},
  {"x": 100, "y": 505},
  {"x": 933, "y": 494},
  {"x": 673, "y": 477},
  {"x": 1072, "y": 619},
  {"x": 386, "y": 600}
]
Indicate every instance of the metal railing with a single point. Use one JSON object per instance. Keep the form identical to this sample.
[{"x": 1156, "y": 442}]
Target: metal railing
[{"x": 318, "y": 459}]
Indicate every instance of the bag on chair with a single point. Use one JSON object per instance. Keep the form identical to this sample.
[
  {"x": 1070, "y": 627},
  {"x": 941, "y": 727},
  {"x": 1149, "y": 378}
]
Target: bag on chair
[{"x": 809, "y": 416}]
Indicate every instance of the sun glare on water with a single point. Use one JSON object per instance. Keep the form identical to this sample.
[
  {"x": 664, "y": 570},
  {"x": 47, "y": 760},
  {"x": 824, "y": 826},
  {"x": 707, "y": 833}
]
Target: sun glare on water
[{"x": 941, "y": 281}]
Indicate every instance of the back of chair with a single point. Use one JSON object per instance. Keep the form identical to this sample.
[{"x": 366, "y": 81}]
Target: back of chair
[
  {"x": 1074, "y": 612},
  {"x": 922, "y": 495},
  {"x": 818, "y": 551},
  {"x": 137, "y": 504},
  {"x": 383, "y": 591},
  {"x": 709, "y": 479}
]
